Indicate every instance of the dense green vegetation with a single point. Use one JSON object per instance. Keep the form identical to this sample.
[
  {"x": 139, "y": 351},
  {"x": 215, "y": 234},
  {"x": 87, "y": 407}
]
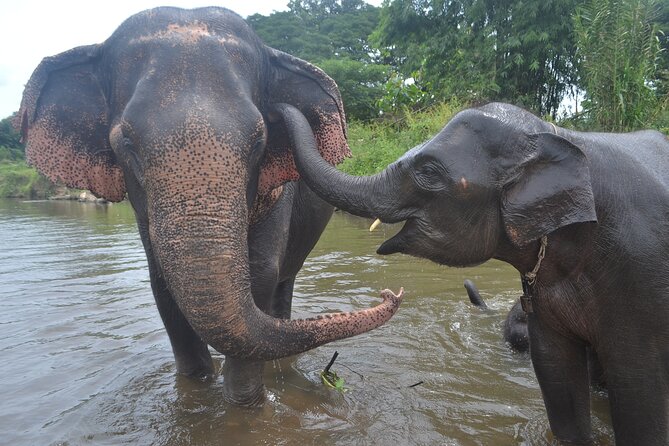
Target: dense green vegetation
[
  {"x": 535, "y": 53},
  {"x": 405, "y": 67},
  {"x": 17, "y": 179},
  {"x": 376, "y": 144},
  {"x": 619, "y": 51}
]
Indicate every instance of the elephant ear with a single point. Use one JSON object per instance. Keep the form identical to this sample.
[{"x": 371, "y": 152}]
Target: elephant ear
[
  {"x": 64, "y": 123},
  {"x": 316, "y": 95},
  {"x": 551, "y": 189}
]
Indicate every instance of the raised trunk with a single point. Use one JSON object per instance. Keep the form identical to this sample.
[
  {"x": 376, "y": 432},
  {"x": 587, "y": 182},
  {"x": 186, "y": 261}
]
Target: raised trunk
[
  {"x": 376, "y": 196},
  {"x": 208, "y": 273}
]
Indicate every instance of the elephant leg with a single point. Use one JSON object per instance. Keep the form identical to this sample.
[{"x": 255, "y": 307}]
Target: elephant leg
[
  {"x": 191, "y": 354},
  {"x": 595, "y": 369},
  {"x": 242, "y": 379},
  {"x": 309, "y": 217},
  {"x": 562, "y": 371},
  {"x": 242, "y": 382},
  {"x": 283, "y": 299},
  {"x": 637, "y": 378}
]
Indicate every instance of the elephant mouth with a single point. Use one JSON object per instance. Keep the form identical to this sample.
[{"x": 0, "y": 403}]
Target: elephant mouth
[
  {"x": 400, "y": 242},
  {"x": 419, "y": 239}
]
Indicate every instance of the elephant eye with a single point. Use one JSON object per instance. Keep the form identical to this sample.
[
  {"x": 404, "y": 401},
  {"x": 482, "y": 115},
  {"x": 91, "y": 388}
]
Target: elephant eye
[
  {"x": 430, "y": 177},
  {"x": 132, "y": 158}
]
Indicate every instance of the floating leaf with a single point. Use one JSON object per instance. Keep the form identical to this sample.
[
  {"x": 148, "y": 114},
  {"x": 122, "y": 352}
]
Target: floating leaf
[{"x": 330, "y": 379}]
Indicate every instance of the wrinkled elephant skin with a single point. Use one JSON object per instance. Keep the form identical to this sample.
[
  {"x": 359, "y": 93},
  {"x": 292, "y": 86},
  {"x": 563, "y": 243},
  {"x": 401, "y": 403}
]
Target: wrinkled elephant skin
[
  {"x": 172, "y": 110},
  {"x": 493, "y": 183}
]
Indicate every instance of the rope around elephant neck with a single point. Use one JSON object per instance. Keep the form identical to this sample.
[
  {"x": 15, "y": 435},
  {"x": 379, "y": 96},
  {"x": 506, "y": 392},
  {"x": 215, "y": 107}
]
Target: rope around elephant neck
[{"x": 531, "y": 277}]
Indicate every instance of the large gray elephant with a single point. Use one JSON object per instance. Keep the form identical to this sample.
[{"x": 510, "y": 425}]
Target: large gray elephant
[
  {"x": 172, "y": 110},
  {"x": 584, "y": 218}
]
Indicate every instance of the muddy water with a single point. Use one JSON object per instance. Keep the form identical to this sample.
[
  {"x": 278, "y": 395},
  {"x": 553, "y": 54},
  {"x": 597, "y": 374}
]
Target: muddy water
[{"x": 84, "y": 358}]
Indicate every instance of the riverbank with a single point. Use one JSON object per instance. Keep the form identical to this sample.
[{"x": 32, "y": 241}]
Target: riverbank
[{"x": 18, "y": 180}]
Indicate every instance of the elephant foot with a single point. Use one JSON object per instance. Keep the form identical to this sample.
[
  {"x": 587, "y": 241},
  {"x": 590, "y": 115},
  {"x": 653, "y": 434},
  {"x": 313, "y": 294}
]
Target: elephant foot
[
  {"x": 200, "y": 368},
  {"x": 256, "y": 399},
  {"x": 242, "y": 382},
  {"x": 199, "y": 375}
]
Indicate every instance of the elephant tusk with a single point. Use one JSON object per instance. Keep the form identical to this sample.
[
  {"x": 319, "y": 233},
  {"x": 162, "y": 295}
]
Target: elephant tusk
[{"x": 375, "y": 225}]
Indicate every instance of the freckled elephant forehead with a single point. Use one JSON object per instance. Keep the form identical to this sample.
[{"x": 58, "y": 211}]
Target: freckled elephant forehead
[
  {"x": 191, "y": 33},
  {"x": 199, "y": 133},
  {"x": 185, "y": 26}
]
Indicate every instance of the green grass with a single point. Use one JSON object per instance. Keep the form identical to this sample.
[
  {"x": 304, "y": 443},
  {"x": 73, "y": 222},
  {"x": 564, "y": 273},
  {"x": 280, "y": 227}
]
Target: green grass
[
  {"x": 18, "y": 180},
  {"x": 377, "y": 144}
]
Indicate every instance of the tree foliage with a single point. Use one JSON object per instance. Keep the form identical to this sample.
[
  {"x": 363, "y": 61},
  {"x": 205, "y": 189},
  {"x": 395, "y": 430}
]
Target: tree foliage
[
  {"x": 288, "y": 32},
  {"x": 11, "y": 148},
  {"x": 361, "y": 84},
  {"x": 619, "y": 51},
  {"x": 8, "y": 136},
  {"x": 317, "y": 30},
  {"x": 520, "y": 51},
  {"x": 332, "y": 34}
]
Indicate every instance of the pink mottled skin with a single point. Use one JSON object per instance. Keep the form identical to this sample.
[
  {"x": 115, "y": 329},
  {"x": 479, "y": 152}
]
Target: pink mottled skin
[{"x": 172, "y": 111}]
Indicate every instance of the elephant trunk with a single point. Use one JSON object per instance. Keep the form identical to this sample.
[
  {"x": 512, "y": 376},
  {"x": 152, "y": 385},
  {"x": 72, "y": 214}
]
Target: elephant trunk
[
  {"x": 376, "y": 196},
  {"x": 207, "y": 271}
]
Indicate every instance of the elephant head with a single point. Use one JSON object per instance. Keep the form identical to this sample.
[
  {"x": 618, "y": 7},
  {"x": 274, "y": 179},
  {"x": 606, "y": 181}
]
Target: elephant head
[
  {"x": 491, "y": 182},
  {"x": 172, "y": 111}
]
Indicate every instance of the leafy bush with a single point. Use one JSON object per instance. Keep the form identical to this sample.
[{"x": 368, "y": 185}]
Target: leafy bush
[
  {"x": 10, "y": 138},
  {"x": 379, "y": 143},
  {"x": 360, "y": 85},
  {"x": 402, "y": 95},
  {"x": 9, "y": 154}
]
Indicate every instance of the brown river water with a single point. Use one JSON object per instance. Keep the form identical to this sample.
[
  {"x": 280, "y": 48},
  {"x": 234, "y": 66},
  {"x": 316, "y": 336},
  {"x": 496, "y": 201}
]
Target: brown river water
[{"x": 84, "y": 358}]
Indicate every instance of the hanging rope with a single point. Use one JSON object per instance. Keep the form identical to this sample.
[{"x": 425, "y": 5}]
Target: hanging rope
[{"x": 532, "y": 275}]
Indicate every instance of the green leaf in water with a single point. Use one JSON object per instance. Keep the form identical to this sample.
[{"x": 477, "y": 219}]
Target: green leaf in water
[{"x": 330, "y": 379}]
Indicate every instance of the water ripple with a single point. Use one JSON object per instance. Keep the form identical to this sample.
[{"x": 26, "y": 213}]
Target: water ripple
[{"x": 86, "y": 360}]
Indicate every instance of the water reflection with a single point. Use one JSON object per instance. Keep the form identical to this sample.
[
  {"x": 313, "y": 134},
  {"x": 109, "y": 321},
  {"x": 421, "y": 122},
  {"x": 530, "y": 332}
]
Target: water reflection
[{"x": 85, "y": 359}]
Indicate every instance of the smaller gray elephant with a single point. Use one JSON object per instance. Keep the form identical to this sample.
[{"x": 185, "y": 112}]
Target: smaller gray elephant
[{"x": 580, "y": 215}]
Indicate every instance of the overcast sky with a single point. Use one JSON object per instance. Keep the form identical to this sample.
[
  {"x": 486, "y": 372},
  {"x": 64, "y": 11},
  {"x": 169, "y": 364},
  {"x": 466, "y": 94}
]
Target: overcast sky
[{"x": 33, "y": 29}]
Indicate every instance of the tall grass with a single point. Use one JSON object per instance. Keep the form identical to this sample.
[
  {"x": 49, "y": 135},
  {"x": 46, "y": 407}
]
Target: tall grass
[{"x": 618, "y": 47}]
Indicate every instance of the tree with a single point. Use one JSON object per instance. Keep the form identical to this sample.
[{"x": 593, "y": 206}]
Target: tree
[
  {"x": 288, "y": 32},
  {"x": 619, "y": 49},
  {"x": 332, "y": 34},
  {"x": 11, "y": 148},
  {"x": 515, "y": 50},
  {"x": 360, "y": 84},
  {"x": 662, "y": 74},
  {"x": 9, "y": 137},
  {"x": 317, "y": 30}
]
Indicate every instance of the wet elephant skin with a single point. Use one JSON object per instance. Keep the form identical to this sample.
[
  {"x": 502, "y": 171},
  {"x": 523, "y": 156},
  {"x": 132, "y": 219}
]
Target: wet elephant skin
[
  {"x": 494, "y": 183},
  {"x": 172, "y": 111}
]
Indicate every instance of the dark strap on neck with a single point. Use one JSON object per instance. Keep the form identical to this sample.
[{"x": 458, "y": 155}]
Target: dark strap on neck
[{"x": 528, "y": 294}]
